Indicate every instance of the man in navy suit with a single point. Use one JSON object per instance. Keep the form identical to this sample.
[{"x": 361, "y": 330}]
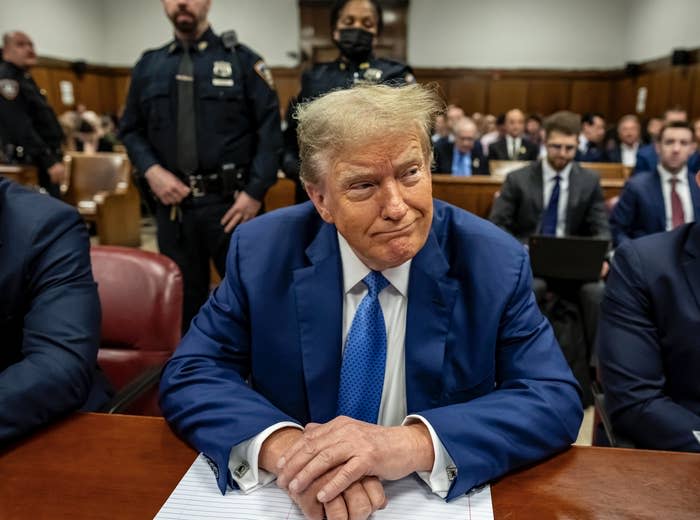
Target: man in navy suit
[
  {"x": 49, "y": 313},
  {"x": 472, "y": 381},
  {"x": 663, "y": 198},
  {"x": 464, "y": 156},
  {"x": 647, "y": 156},
  {"x": 649, "y": 350}
]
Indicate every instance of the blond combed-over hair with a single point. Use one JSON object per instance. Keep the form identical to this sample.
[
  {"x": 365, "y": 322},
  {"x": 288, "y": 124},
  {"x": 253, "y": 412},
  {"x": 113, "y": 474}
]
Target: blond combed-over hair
[{"x": 367, "y": 113}]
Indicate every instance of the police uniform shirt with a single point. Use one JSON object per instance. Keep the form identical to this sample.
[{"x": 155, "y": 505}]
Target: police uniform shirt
[
  {"x": 324, "y": 77},
  {"x": 27, "y": 118},
  {"x": 236, "y": 111}
]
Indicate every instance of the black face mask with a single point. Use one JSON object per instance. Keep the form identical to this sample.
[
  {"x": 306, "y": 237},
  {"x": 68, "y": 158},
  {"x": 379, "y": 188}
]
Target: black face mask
[{"x": 355, "y": 44}]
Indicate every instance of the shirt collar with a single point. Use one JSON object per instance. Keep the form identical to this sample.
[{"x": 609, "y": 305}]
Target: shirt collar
[
  {"x": 207, "y": 38},
  {"x": 354, "y": 270},
  {"x": 549, "y": 173},
  {"x": 666, "y": 176}
]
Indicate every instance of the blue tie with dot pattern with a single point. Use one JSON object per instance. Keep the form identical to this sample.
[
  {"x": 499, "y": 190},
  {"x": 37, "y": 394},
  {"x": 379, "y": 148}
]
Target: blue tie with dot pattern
[{"x": 364, "y": 359}]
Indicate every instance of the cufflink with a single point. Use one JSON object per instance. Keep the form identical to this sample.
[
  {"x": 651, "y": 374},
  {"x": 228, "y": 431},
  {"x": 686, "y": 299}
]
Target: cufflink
[
  {"x": 241, "y": 469},
  {"x": 451, "y": 472}
]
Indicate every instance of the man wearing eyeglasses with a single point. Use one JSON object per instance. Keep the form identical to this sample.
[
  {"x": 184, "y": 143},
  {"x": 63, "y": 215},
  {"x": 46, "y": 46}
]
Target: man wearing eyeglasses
[
  {"x": 527, "y": 193},
  {"x": 555, "y": 196}
]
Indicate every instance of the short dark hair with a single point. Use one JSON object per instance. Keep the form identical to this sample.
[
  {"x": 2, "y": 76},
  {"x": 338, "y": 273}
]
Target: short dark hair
[
  {"x": 564, "y": 122},
  {"x": 534, "y": 117},
  {"x": 340, "y": 4},
  {"x": 589, "y": 117},
  {"x": 676, "y": 124},
  {"x": 501, "y": 119}
]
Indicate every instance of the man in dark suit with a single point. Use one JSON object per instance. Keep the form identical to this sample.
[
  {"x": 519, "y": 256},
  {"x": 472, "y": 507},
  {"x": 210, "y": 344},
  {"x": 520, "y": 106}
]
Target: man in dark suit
[
  {"x": 49, "y": 313},
  {"x": 556, "y": 196},
  {"x": 513, "y": 146},
  {"x": 663, "y": 198},
  {"x": 649, "y": 349},
  {"x": 521, "y": 206},
  {"x": 590, "y": 145},
  {"x": 628, "y": 141},
  {"x": 400, "y": 326},
  {"x": 464, "y": 156}
]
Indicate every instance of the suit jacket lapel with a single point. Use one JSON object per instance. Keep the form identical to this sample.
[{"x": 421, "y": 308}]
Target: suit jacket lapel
[
  {"x": 694, "y": 194},
  {"x": 431, "y": 299},
  {"x": 657, "y": 201},
  {"x": 691, "y": 261},
  {"x": 319, "y": 298},
  {"x": 536, "y": 185},
  {"x": 574, "y": 193}
]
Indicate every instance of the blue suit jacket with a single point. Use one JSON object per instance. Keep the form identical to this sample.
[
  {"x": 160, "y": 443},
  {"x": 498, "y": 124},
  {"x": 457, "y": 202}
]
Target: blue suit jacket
[
  {"x": 482, "y": 364},
  {"x": 641, "y": 210},
  {"x": 649, "y": 348},
  {"x": 49, "y": 313}
]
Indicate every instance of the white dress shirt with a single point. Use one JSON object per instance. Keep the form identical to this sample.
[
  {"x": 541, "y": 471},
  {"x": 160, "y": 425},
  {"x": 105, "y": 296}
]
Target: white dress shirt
[
  {"x": 548, "y": 175},
  {"x": 683, "y": 190},
  {"x": 582, "y": 143},
  {"x": 628, "y": 154},
  {"x": 513, "y": 146},
  {"x": 392, "y": 408}
]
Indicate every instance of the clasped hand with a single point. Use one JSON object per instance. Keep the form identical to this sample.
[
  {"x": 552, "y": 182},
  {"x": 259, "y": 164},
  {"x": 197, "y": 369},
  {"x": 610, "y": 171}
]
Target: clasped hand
[{"x": 335, "y": 467}]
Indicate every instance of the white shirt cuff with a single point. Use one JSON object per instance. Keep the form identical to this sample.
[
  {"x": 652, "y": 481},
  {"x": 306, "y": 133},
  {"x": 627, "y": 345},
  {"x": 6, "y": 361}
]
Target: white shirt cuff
[
  {"x": 444, "y": 471},
  {"x": 243, "y": 460}
]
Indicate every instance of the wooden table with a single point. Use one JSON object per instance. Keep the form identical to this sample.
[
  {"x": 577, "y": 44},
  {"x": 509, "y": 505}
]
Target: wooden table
[
  {"x": 476, "y": 193},
  {"x": 22, "y": 173},
  {"x": 93, "y": 466}
]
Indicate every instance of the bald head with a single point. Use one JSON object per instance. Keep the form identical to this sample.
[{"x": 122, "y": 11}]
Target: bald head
[
  {"x": 466, "y": 133},
  {"x": 515, "y": 122},
  {"x": 18, "y": 49}
]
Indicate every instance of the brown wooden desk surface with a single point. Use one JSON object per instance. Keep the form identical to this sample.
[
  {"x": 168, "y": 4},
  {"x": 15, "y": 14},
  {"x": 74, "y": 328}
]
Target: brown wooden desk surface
[{"x": 93, "y": 466}]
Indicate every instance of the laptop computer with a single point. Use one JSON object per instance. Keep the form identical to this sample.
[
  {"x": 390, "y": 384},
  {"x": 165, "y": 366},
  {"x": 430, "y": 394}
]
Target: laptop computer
[{"x": 567, "y": 258}]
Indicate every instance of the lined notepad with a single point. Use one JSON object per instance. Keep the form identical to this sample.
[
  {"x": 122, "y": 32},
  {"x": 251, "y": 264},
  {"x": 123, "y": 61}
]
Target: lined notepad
[{"x": 197, "y": 497}]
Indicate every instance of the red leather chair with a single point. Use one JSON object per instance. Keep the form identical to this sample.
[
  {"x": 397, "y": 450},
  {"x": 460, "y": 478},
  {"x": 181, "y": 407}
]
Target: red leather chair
[{"x": 141, "y": 297}]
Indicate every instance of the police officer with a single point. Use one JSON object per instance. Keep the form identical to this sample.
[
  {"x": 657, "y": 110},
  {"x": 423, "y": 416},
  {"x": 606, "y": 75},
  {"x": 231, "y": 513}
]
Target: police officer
[
  {"x": 202, "y": 125},
  {"x": 355, "y": 25},
  {"x": 30, "y": 131}
]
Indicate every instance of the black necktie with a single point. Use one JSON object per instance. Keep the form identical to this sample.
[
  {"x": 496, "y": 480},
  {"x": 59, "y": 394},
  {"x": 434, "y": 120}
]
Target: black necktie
[{"x": 187, "y": 160}]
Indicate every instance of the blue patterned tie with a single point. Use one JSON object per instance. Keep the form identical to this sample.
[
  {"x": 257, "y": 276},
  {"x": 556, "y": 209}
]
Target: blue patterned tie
[
  {"x": 549, "y": 220},
  {"x": 364, "y": 359}
]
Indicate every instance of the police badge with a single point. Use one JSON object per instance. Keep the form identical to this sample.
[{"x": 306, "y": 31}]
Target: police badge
[
  {"x": 222, "y": 69},
  {"x": 9, "y": 88}
]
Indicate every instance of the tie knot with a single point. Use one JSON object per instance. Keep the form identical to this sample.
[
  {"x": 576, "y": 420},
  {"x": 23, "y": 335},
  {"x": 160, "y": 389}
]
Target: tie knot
[
  {"x": 673, "y": 180},
  {"x": 375, "y": 283},
  {"x": 557, "y": 178}
]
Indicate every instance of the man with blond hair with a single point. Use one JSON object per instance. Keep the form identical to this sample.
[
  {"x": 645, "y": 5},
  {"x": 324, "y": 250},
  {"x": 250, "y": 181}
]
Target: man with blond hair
[{"x": 372, "y": 332}]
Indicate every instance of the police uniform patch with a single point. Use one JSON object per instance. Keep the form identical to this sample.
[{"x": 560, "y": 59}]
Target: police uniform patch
[
  {"x": 476, "y": 163},
  {"x": 9, "y": 88},
  {"x": 222, "y": 69},
  {"x": 522, "y": 150},
  {"x": 264, "y": 73}
]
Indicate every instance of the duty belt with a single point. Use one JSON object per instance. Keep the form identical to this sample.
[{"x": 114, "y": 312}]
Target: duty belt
[{"x": 205, "y": 184}]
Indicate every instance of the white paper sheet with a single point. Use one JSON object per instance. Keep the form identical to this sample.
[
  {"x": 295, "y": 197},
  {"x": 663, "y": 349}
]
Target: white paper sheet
[{"x": 197, "y": 497}]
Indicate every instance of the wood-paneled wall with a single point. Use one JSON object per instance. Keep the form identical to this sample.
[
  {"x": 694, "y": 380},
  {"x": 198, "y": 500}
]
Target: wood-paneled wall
[
  {"x": 102, "y": 89},
  {"x": 612, "y": 92}
]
